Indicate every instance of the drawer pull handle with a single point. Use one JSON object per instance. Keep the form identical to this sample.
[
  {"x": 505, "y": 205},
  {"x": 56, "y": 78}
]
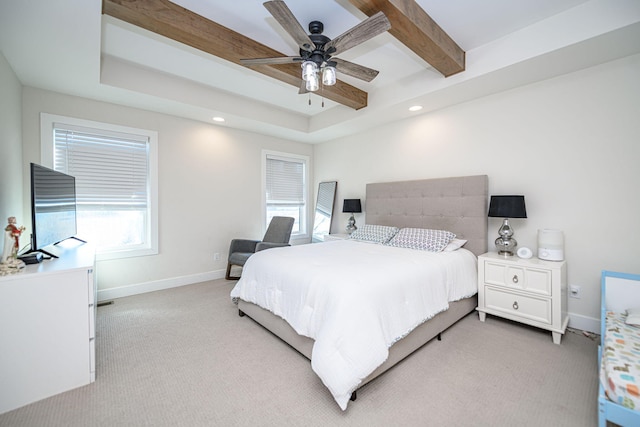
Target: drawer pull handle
[
  {"x": 515, "y": 305},
  {"x": 515, "y": 278}
]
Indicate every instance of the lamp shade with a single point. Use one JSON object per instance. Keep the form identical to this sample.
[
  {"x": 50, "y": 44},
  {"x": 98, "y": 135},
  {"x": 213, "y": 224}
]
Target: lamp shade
[
  {"x": 352, "y": 205},
  {"x": 507, "y": 207}
]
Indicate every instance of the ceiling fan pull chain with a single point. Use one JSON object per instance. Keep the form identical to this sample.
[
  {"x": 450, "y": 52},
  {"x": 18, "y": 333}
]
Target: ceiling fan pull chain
[{"x": 309, "y": 98}]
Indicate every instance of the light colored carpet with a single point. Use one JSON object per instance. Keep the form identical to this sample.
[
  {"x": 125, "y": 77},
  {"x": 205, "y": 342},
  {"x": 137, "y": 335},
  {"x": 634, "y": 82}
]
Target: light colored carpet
[{"x": 183, "y": 357}]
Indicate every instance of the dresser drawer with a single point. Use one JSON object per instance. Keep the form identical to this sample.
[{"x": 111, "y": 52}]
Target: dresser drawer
[
  {"x": 528, "y": 307},
  {"x": 520, "y": 278}
]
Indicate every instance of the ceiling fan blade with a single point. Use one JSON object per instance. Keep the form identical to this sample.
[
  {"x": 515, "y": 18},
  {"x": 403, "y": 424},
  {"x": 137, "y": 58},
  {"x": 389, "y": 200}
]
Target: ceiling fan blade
[
  {"x": 285, "y": 18},
  {"x": 367, "y": 29},
  {"x": 263, "y": 61},
  {"x": 354, "y": 70}
]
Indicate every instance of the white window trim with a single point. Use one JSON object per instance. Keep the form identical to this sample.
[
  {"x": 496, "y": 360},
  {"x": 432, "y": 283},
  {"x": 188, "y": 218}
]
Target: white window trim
[
  {"x": 47, "y": 122},
  {"x": 300, "y": 236}
]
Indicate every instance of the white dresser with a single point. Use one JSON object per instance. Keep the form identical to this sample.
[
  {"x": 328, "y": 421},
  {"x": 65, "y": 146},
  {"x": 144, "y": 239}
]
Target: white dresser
[
  {"x": 530, "y": 291},
  {"x": 47, "y": 326}
]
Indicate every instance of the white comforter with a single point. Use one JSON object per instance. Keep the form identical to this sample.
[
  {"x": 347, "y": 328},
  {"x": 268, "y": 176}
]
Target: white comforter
[{"x": 354, "y": 299}]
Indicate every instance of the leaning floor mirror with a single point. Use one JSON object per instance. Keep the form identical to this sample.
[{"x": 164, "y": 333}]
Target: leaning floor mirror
[{"x": 324, "y": 210}]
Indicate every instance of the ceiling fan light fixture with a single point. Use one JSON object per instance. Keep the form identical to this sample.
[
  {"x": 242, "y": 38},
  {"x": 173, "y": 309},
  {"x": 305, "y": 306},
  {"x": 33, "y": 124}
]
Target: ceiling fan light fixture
[
  {"x": 329, "y": 75},
  {"x": 312, "y": 83},
  {"x": 309, "y": 70}
]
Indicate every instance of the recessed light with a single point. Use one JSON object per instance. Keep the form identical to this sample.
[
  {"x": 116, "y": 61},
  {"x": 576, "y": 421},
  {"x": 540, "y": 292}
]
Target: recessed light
[
  {"x": 218, "y": 119},
  {"x": 415, "y": 108}
]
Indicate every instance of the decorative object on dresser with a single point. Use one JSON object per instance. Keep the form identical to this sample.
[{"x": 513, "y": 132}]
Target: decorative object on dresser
[
  {"x": 351, "y": 206},
  {"x": 551, "y": 245},
  {"x": 530, "y": 291},
  {"x": 10, "y": 263},
  {"x": 507, "y": 207}
]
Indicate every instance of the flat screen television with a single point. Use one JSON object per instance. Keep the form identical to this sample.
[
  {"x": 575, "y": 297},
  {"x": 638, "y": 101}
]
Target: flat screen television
[{"x": 53, "y": 207}]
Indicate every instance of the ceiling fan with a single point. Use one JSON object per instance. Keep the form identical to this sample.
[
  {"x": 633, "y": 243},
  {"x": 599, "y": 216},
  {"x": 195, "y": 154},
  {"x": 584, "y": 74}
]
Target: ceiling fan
[{"x": 317, "y": 51}]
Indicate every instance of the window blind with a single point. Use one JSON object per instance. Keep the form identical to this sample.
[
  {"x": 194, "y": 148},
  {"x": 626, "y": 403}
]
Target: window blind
[
  {"x": 110, "y": 168},
  {"x": 285, "y": 181}
]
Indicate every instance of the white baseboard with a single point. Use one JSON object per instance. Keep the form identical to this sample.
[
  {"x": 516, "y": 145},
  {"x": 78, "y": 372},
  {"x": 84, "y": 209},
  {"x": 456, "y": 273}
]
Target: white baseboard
[
  {"x": 584, "y": 323},
  {"x": 158, "y": 285}
]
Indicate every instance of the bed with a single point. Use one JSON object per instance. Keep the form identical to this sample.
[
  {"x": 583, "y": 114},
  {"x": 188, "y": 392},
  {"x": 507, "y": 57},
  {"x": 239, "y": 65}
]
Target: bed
[
  {"x": 457, "y": 204},
  {"x": 619, "y": 350}
]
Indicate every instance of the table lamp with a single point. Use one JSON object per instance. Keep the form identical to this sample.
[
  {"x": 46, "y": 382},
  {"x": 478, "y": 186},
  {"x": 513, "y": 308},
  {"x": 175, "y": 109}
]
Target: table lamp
[
  {"x": 507, "y": 207},
  {"x": 351, "y": 206}
]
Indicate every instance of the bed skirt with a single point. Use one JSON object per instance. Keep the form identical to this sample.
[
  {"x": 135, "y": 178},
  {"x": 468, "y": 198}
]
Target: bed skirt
[{"x": 401, "y": 349}]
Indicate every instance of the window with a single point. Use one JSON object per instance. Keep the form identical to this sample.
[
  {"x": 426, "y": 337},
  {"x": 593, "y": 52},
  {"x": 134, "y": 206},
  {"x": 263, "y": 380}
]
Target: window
[
  {"x": 116, "y": 182},
  {"x": 285, "y": 184}
]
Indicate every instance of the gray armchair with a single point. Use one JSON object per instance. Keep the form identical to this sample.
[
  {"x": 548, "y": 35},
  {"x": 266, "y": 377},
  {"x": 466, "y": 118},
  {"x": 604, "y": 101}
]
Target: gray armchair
[{"x": 277, "y": 235}]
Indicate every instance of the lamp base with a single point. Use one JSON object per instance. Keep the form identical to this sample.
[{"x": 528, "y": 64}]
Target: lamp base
[
  {"x": 506, "y": 246},
  {"x": 351, "y": 225}
]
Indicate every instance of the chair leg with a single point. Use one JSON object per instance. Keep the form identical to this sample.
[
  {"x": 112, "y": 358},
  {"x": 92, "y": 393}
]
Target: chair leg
[{"x": 228, "y": 275}]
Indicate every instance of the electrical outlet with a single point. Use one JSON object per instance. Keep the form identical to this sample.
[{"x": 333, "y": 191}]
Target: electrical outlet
[
  {"x": 575, "y": 291},
  {"x": 216, "y": 256}
]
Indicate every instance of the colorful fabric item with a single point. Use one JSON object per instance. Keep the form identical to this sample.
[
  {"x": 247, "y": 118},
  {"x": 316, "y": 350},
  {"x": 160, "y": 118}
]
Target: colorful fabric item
[
  {"x": 422, "y": 239},
  {"x": 374, "y": 233},
  {"x": 620, "y": 370}
]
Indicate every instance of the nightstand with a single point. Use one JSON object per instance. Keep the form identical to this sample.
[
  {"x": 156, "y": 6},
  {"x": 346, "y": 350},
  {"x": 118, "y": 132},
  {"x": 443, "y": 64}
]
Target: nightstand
[
  {"x": 530, "y": 291},
  {"x": 337, "y": 236}
]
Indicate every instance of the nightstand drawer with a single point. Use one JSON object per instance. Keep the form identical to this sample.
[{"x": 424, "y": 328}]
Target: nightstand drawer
[
  {"x": 532, "y": 308},
  {"x": 515, "y": 277}
]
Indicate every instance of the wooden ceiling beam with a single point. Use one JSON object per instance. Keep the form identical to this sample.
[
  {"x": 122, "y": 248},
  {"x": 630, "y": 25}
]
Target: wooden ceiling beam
[
  {"x": 412, "y": 26},
  {"x": 177, "y": 23}
]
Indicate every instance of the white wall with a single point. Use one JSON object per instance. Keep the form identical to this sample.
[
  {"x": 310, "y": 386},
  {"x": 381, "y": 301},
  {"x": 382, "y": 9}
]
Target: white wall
[
  {"x": 570, "y": 145},
  {"x": 11, "y": 148},
  {"x": 209, "y": 189}
]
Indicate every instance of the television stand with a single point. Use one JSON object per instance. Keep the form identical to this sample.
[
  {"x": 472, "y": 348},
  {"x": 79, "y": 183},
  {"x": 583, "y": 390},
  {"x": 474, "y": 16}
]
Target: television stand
[
  {"x": 49, "y": 254},
  {"x": 42, "y": 251},
  {"x": 72, "y": 237}
]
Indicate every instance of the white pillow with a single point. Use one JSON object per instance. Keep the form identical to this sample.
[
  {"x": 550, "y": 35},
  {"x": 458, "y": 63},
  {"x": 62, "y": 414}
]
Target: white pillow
[
  {"x": 422, "y": 239},
  {"x": 454, "y": 245},
  {"x": 633, "y": 316},
  {"x": 374, "y": 233}
]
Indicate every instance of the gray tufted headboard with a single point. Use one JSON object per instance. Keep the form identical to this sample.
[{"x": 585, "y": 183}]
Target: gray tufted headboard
[{"x": 456, "y": 204}]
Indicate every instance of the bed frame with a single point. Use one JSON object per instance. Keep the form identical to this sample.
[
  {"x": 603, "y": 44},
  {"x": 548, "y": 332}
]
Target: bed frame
[
  {"x": 456, "y": 204},
  {"x": 619, "y": 292}
]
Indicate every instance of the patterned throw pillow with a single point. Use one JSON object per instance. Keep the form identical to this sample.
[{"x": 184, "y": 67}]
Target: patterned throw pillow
[
  {"x": 422, "y": 239},
  {"x": 374, "y": 233}
]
